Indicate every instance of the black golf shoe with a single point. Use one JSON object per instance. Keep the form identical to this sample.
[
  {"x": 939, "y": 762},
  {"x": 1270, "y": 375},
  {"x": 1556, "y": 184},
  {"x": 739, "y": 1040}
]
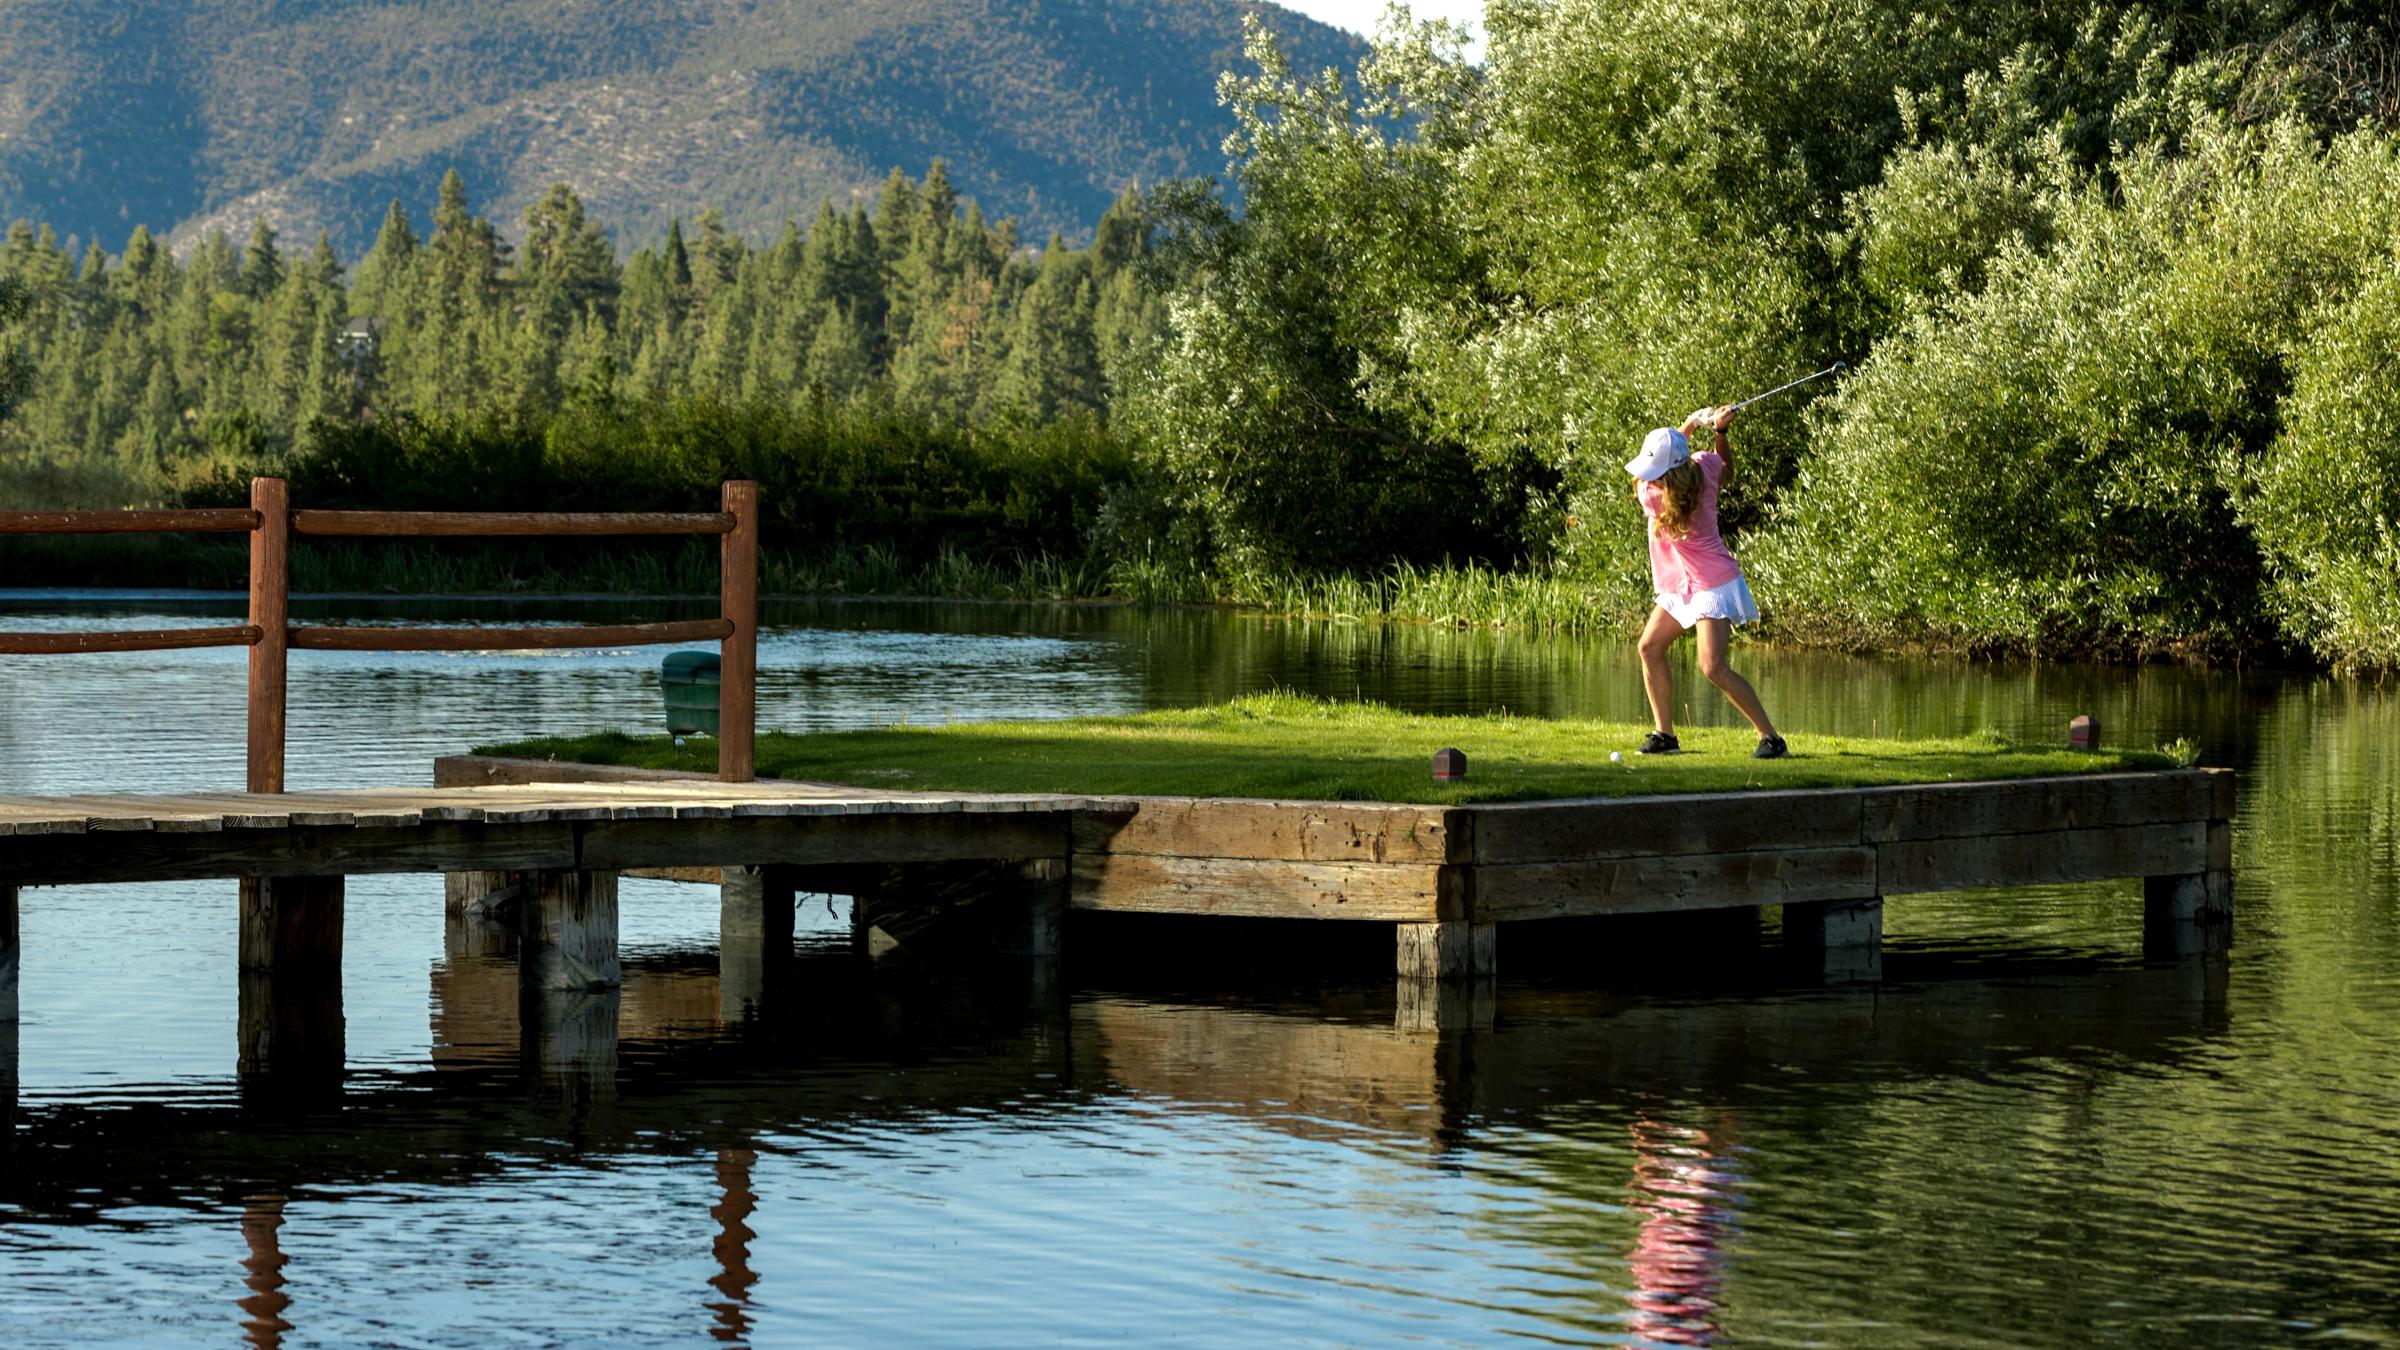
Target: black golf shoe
[
  {"x": 1660, "y": 743},
  {"x": 1770, "y": 747}
]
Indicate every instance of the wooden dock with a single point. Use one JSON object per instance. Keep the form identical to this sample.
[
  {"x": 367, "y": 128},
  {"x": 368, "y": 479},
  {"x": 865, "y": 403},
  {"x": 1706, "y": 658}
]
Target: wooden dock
[
  {"x": 544, "y": 855},
  {"x": 538, "y": 847},
  {"x": 1448, "y": 877}
]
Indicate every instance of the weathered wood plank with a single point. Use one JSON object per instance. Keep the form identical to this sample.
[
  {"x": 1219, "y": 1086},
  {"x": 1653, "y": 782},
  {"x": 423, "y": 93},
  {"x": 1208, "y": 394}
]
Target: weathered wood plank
[
  {"x": 615, "y": 845},
  {"x": 70, "y": 859},
  {"x": 1660, "y": 884},
  {"x": 2091, "y": 801},
  {"x": 2042, "y": 858},
  {"x": 1267, "y": 888},
  {"x": 1185, "y": 827},
  {"x": 456, "y": 771},
  {"x": 1641, "y": 827}
]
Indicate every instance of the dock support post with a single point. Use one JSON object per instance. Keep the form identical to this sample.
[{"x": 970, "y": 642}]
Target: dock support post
[
  {"x": 2192, "y": 915},
  {"x": 1445, "y": 974},
  {"x": 1447, "y": 950},
  {"x": 474, "y": 894},
  {"x": 2187, "y": 916},
  {"x": 1839, "y": 940},
  {"x": 1043, "y": 934},
  {"x": 567, "y": 939},
  {"x": 291, "y": 975},
  {"x": 754, "y": 936}
]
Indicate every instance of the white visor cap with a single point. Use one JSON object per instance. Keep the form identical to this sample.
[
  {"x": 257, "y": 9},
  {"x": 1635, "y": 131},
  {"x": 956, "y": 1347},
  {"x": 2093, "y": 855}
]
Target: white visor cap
[{"x": 1662, "y": 450}]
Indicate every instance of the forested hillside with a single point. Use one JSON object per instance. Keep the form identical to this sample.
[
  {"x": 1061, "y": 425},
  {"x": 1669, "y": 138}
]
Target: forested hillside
[
  {"x": 186, "y": 114},
  {"x": 902, "y": 375}
]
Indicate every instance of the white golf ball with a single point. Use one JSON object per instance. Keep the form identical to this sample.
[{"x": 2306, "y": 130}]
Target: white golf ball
[{"x": 1616, "y": 756}]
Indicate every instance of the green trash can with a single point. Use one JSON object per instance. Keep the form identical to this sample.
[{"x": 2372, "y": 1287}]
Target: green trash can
[{"x": 689, "y": 680}]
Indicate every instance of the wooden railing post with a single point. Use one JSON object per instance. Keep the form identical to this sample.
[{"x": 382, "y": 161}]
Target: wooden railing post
[
  {"x": 737, "y": 674},
  {"x": 270, "y": 602}
]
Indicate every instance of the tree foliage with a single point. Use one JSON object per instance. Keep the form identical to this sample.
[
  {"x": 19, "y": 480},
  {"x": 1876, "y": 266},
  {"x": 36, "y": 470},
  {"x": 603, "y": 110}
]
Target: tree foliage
[
  {"x": 152, "y": 378},
  {"x": 2085, "y": 260}
]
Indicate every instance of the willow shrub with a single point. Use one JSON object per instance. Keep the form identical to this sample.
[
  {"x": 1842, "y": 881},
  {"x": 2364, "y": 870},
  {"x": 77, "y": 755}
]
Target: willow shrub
[
  {"x": 2324, "y": 503},
  {"x": 2065, "y": 458}
]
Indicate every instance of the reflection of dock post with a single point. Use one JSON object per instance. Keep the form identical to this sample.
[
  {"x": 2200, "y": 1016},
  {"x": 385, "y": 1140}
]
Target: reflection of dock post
[
  {"x": 568, "y": 1039},
  {"x": 1840, "y": 941},
  {"x": 734, "y": 1278},
  {"x": 754, "y": 936},
  {"x": 567, "y": 934},
  {"x": 291, "y": 975},
  {"x": 1445, "y": 972},
  {"x": 1044, "y": 881},
  {"x": 2192, "y": 915},
  {"x": 262, "y": 1224},
  {"x": 8, "y": 1015},
  {"x": 1039, "y": 935},
  {"x": 8, "y": 954}
]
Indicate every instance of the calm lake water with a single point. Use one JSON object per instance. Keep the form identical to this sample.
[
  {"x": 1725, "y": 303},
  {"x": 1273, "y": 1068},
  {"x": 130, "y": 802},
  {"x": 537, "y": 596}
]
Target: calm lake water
[{"x": 2026, "y": 1135}]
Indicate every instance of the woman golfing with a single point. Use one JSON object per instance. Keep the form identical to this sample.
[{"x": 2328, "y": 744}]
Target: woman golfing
[{"x": 1698, "y": 583}]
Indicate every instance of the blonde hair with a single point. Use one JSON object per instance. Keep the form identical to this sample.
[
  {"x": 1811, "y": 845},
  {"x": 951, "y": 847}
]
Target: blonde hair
[{"x": 1679, "y": 496}]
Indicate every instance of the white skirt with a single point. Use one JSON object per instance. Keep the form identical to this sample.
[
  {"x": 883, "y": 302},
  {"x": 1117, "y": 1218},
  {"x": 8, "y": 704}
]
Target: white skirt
[{"x": 1729, "y": 601}]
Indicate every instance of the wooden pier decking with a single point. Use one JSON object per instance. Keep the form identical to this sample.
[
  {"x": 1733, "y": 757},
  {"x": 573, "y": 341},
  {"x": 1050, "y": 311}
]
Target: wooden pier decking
[{"x": 542, "y": 845}]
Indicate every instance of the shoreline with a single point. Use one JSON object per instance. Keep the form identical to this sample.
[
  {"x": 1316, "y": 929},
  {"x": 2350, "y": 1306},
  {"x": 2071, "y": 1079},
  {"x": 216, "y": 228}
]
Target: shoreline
[{"x": 1970, "y": 651}]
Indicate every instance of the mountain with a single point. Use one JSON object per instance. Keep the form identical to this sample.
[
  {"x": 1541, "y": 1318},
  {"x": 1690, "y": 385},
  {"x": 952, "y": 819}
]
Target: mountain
[{"x": 187, "y": 115}]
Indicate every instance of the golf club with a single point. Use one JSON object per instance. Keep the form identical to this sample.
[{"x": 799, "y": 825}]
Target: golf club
[{"x": 1834, "y": 369}]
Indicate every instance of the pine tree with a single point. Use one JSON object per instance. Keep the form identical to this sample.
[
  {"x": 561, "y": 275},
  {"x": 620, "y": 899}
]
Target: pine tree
[
  {"x": 388, "y": 270},
  {"x": 16, "y": 368},
  {"x": 566, "y": 249},
  {"x": 262, "y": 265}
]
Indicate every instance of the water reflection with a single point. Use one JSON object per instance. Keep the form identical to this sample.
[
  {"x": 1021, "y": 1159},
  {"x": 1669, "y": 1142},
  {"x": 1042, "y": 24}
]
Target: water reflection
[
  {"x": 2025, "y": 1134},
  {"x": 262, "y": 1226},
  {"x": 1683, "y": 1187},
  {"x": 734, "y": 1276}
]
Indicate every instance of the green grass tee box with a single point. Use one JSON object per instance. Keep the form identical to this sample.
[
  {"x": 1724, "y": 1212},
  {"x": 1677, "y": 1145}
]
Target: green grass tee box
[{"x": 1295, "y": 747}]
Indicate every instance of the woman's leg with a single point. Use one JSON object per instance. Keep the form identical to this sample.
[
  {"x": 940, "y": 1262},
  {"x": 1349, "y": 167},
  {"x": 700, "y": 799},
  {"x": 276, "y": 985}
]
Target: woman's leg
[
  {"x": 1658, "y": 679},
  {"x": 1715, "y": 635}
]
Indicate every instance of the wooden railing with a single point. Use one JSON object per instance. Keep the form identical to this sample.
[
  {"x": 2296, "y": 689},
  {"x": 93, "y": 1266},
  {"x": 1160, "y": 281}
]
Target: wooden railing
[{"x": 271, "y": 524}]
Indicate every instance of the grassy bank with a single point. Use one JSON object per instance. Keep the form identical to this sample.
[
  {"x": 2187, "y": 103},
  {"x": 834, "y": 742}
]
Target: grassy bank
[{"x": 1288, "y": 745}]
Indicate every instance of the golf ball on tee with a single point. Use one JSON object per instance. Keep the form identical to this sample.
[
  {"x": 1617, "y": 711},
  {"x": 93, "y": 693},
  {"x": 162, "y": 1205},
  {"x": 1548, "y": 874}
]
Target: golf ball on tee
[{"x": 1615, "y": 756}]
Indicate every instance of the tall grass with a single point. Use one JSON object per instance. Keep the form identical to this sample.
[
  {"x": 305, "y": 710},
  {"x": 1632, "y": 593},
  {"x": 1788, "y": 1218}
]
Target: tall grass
[{"x": 1468, "y": 595}]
